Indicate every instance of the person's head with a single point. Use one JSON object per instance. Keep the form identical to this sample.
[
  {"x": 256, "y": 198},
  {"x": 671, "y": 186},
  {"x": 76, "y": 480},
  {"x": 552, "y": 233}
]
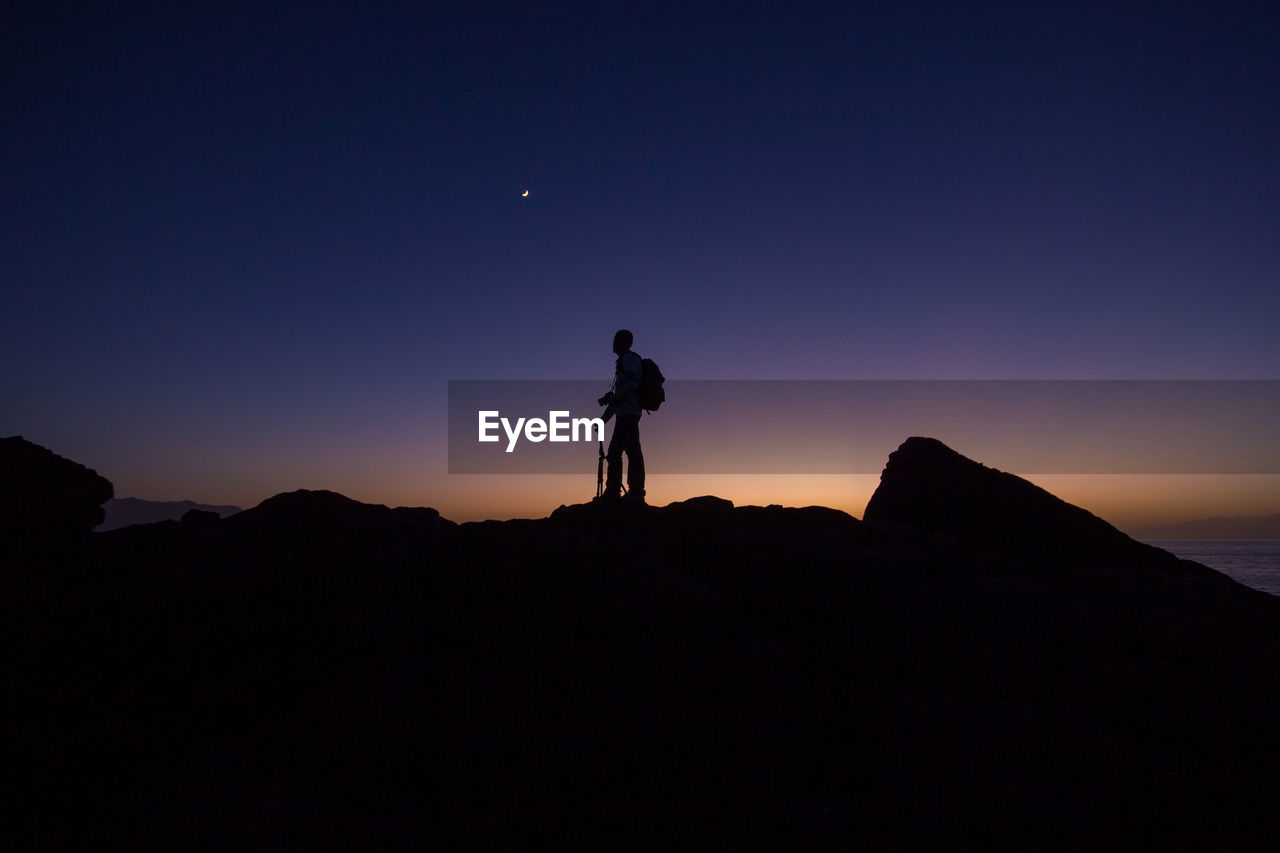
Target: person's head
[{"x": 622, "y": 341}]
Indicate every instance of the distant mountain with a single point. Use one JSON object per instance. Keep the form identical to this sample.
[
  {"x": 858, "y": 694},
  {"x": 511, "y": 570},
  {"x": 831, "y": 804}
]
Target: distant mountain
[
  {"x": 122, "y": 512},
  {"x": 1266, "y": 527}
]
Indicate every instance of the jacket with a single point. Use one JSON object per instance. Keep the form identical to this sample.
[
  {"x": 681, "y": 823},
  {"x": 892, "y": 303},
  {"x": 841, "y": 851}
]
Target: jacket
[{"x": 626, "y": 384}]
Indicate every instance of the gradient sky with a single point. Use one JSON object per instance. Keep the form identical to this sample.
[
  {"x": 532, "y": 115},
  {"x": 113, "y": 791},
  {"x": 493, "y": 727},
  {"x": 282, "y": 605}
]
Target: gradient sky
[{"x": 245, "y": 246}]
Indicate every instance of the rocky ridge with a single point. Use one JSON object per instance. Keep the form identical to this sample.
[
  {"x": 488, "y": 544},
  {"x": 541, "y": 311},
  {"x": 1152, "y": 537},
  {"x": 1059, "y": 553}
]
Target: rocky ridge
[{"x": 975, "y": 663}]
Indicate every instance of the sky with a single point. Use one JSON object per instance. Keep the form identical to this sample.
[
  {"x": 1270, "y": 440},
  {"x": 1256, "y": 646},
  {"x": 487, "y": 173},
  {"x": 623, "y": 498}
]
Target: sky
[{"x": 245, "y": 247}]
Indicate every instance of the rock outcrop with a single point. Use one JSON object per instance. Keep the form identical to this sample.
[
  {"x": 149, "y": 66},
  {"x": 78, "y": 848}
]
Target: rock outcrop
[
  {"x": 928, "y": 486},
  {"x": 46, "y": 500}
]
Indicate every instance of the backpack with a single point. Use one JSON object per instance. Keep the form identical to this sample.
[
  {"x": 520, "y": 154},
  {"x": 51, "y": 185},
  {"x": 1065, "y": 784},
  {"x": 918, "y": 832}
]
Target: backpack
[{"x": 650, "y": 394}]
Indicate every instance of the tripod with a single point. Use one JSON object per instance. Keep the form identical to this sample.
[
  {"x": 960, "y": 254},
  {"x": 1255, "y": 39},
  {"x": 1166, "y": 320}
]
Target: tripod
[{"x": 600, "y": 474}]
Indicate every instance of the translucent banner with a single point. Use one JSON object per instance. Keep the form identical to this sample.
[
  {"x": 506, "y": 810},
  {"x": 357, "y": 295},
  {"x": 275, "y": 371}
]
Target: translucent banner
[{"x": 851, "y": 426}]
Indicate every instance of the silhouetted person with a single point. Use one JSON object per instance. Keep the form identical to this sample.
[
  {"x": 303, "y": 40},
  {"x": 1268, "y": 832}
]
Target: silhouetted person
[{"x": 626, "y": 429}]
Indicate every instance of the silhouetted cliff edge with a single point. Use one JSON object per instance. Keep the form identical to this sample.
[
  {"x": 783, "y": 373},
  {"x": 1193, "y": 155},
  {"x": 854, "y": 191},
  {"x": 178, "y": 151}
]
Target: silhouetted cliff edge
[
  {"x": 928, "y": 486},
  {"x": 317, "y": 672},
  {"x": 48, "y": 506}
]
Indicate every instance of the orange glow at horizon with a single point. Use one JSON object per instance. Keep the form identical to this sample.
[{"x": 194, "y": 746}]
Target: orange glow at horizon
[
  {"x": 1126, "y": 500},
  {"x": 397, "y": 468}
]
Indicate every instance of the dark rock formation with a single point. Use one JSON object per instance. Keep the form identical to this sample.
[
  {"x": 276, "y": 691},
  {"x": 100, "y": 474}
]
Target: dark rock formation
[
  {"x": 324, "y": 509},
  {"x": 46, "y": 501},
  {"x": 317, "y": 672},
  {"x": 200, "y": 518},
  {"x": 929, "y": 486},
  {"x": 122, "y": 512}
]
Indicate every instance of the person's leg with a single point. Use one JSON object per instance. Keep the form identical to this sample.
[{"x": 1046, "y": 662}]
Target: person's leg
[
  {"x": 635, "y": 456},
  {"x": 613, "y": 479},
  {"x": 626, "y": 438}
]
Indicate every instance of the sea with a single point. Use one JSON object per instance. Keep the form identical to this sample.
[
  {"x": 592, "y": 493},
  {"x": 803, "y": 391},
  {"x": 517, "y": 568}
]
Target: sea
[{"x": 1253, "y": 562}]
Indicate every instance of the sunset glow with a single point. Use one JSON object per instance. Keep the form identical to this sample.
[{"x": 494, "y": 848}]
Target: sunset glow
[{"x": 229, "y": 279}]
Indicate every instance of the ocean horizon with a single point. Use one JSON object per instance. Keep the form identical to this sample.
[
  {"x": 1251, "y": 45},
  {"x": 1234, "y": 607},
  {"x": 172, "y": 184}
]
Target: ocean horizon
[{"x": 1252, "y": 562}]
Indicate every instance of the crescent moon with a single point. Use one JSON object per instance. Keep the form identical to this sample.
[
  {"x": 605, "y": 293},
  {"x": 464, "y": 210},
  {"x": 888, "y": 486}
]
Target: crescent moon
[{"x": 524, "y": 194}]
